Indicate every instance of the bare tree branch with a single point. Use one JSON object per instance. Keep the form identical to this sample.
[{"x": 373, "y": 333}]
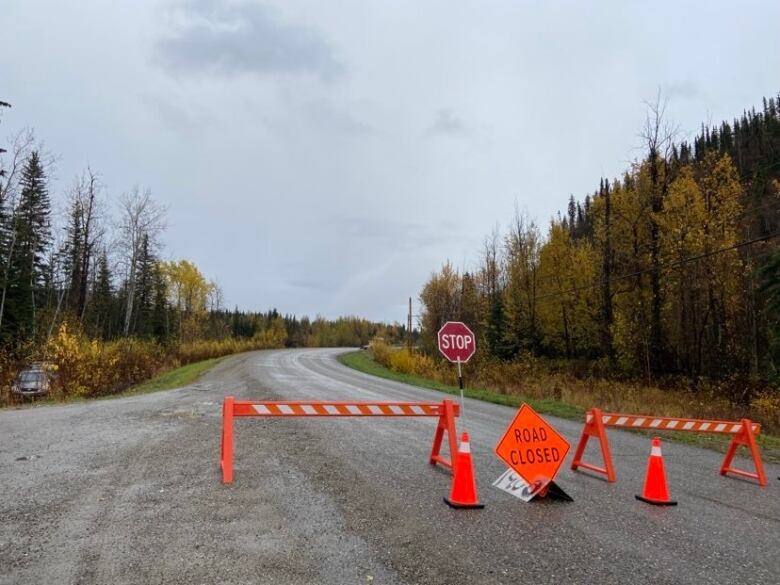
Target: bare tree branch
[{"x": 140, "y": 217}]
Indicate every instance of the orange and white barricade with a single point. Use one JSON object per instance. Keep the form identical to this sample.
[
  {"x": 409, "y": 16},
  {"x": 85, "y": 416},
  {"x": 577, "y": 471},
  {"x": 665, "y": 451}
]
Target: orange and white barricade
[
  {"x": 744, "y": 432},
  {"x": 445, "y": 411}
]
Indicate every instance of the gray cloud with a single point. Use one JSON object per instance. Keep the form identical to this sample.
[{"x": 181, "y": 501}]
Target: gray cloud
[
  {"x": 447, "y": 123},
  {"x": 372, "y": 244},
  {"x": 686, "y": 89},
  {"x": 395, "y": 235},
  {"x": 214, "y": 36}
]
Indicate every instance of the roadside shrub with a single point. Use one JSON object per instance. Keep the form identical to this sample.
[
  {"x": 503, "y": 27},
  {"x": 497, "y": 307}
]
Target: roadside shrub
[
  {"x": 89, "y": 368},
  {"x": 84, "y": 367},
  {"x": 536, "y": 379}
]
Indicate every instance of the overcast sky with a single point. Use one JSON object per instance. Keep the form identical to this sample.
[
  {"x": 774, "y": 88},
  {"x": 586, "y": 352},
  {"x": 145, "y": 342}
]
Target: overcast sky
[{"x": 326, "y": 156}]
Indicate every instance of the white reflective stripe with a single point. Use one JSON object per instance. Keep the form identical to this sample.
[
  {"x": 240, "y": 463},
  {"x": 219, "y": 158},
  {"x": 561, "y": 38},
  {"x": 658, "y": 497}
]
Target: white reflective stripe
[
  {"x": 638, "y": 422},
  {"x": 464, "y": 447},
  {"x": 375, "y": 409},
  {"x": 261, "y": 409},
  {"x": 704, "y": 426},
  {"x": 309, "y": 409},
  {"x": 621, "y": 421},
  {"x": 330, "y": 409},
  {"x": 656, "y": 422},
  {"x": 655, "y": 452},
  {"x": 720, "y": 427},
  {"x": 418, "y": 410},
  {"x": 286, "y": 409},
  {"x": 689, "y": 425},
  {"x": 671, "y": 424},
  {"x": 354, "y": 409},
  {"x": 588, "y": 418},
  {"x": 396, "y": 409},
  {"x": 605, "y": 419},
  {"x": 736, "y": 428}
]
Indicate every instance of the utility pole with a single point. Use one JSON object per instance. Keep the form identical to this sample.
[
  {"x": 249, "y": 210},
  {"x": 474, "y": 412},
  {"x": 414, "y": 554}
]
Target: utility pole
[{"x": 409, "y": 327}]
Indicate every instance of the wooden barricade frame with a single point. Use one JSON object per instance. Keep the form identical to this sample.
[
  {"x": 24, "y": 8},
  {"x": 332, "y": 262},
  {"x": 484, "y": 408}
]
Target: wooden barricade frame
[
  {"x": 744, "y": 433},
  {"x": 445, "y": 411}
]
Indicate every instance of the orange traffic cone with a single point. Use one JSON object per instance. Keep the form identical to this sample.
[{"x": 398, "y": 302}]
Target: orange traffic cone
[
  {"x": 464, "y": 486},
  {"x": 656, "y": 492}
]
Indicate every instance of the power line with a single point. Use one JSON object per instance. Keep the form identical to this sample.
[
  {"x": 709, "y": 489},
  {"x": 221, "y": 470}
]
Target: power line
[{"x": 666, "y": 266}]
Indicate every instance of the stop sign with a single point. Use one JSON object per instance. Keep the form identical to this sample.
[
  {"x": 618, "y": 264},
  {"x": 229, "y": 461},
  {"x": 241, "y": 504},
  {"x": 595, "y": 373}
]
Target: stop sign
[{"x": 457, "y": 342}]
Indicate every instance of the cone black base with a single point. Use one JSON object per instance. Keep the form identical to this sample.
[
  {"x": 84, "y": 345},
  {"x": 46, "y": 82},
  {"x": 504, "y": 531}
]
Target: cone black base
[
  {"x": 460, "y": 506},
  {"x": 656, "y": 502}
]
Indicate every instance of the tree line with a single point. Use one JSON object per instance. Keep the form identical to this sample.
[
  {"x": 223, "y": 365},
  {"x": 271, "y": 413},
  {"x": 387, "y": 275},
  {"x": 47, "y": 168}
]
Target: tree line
[
  {"x": 99, "y": 269},
  {"x": 671, "y": 269}
]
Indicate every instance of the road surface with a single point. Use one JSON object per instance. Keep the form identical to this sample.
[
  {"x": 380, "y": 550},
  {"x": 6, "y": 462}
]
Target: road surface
[{"x": 128, "y": 491}]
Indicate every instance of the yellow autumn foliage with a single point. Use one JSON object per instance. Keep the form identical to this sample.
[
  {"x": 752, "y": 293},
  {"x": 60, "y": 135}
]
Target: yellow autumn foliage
[{"x": 84, "y": 367}]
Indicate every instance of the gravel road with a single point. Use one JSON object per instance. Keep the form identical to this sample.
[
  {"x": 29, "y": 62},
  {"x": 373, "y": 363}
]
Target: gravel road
[{"x": 128, "y": 491}]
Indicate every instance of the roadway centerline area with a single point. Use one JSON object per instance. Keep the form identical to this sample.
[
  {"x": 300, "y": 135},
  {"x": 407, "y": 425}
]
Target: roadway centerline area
[{"x": 129, "y": 491}]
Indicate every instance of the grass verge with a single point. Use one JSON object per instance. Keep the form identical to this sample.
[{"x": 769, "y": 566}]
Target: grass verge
[
  {"x": 175, "y": 378},
  {"x": 362, "y": 361}
]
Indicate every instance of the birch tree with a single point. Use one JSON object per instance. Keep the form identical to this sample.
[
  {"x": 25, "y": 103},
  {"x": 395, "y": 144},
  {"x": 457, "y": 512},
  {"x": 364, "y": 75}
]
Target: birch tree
[{"x": 140, "y": 217}]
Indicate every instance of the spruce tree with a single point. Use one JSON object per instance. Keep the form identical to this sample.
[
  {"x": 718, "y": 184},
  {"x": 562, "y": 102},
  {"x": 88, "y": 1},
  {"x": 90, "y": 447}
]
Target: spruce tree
[
  {"x": 71, "y": 255},
  {"x": 159, "y": 315},
  {"x": 102, "y": 306},
  {"x": 30, "y": 240},
  {"x": 144, "y": 279},
  {"x": 770, "y": 286}
]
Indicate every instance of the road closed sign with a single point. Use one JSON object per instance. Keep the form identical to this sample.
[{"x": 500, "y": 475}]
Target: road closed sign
[
  {"x": 532, "y": 447},
  {"x": 457, "y": 342}
]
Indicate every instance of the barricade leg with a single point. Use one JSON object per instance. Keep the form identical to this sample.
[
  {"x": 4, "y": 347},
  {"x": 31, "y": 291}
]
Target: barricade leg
[
  {"x": 446, "y": 423},
  {"x": 226, "y": 452},
  {"x": 747, "y": 438},
  {"x": 595, "y": 428}
]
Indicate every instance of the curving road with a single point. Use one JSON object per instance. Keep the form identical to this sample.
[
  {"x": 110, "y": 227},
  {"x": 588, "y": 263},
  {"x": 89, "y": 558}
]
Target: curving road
[{"x": 128, "y": 491}]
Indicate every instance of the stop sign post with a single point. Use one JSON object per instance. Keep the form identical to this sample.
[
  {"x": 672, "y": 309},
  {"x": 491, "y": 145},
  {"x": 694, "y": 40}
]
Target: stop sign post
[{"x": 457, "y": 343}]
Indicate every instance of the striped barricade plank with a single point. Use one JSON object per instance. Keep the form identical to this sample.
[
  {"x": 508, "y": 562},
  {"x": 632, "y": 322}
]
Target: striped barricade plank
[
  {"x": 743, "y": 432},
  {"x": 331, "y": 408},
  {"x": 444, "y": 411},
  {"x": 661, "y": 423}
]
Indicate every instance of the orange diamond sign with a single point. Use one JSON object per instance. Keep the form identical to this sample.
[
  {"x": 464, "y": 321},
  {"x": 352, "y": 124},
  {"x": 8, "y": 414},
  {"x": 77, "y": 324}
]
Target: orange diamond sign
[{"x": 532, "y": 447}]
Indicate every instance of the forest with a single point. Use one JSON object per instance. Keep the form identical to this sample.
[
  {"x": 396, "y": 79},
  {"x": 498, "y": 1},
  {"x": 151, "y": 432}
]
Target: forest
[
  {"x": 668, "y": 275},
  {"x": 86, "y": 288}
]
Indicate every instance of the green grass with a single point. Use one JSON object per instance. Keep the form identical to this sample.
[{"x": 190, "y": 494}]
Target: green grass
[
  {"x": 364, "y": 362},
  {"x": 176, "y": 378}
]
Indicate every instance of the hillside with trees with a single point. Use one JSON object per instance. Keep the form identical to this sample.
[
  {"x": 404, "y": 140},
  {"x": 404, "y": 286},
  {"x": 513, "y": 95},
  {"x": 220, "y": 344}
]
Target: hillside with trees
[
  {"x": 88, "y": 290},
  {"x": 667, "y": 275}
]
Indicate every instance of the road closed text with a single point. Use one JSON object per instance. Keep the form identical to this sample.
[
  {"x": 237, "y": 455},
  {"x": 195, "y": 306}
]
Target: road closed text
[{"x": 530, "y": 447}]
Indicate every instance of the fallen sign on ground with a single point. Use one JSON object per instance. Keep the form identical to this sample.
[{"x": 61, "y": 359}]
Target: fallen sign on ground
[
  {"x": 534, "y": 451},
  {"x": 516, "y": 486},
  {"x": 445, "y": 411}
]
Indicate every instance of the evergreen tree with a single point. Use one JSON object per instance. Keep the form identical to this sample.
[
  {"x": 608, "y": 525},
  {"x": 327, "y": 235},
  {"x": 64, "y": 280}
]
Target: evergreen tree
[
  {"x": 159, "y": 324},
  {"x": 572, "y": 223},
  {"x": 145, "y": 274},
  {"x": 500, "y": 341},
  {"x": 102, "y": 306},
  {"x": 770, "y": 286},
  {"x": 71, "y": 254},
  {"x": 30, "y": 240}
]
